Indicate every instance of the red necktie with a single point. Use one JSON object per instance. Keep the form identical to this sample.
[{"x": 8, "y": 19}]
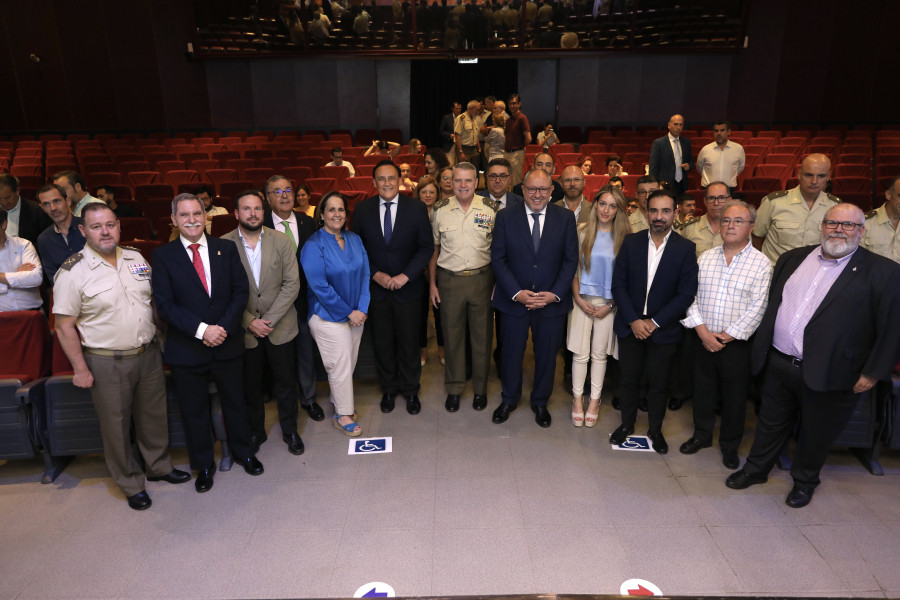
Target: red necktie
[{"x": 198, "y": 265}]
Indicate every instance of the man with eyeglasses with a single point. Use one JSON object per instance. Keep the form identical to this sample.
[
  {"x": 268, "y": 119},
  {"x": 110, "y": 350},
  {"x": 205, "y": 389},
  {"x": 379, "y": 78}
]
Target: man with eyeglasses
[
  {"x": 704, "y": 230},
  {"x": 544, "y": 161},
  {"x": 791, "y": 218},
  {"x": 62, "y": 239},
  {"x": 732, "y": 294},
  {"x": 298, "y": 226},
  {"x": 882, "y": 233},
  {"x": 337, "y": 160},
  {"x": 497, "y": 180},
  {"x": 646, "y": 185},
  {"x": 462, "y": 282},
  {"x": 573, "y": 187},
  {"x": 397, "y": 236},
  {"x": 534, "y": 255},
  {"x": 829, "y": 332}
]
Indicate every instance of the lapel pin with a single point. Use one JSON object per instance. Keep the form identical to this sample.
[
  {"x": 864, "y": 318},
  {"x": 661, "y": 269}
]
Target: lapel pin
[
  {"x": 854, "y": 268},
  {"x": 219, "y": 253}
]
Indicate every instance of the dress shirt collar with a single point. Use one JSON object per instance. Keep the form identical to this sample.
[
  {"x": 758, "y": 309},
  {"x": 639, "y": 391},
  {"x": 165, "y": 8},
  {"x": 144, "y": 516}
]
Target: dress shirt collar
[
  {"x": 15, "y": 209},
  {"x": 383, "y": 201},
  {"x": 672, "y": 139},
  {"x": 186, "y": 243},
  {"x": 244, "y": 240},
  {"x": 836, "y": 261},
  {"x": 665, "y": 239}
]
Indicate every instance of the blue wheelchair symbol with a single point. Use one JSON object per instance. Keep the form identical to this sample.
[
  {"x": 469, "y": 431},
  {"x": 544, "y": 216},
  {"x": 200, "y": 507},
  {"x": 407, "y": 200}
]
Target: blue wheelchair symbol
[
  {"x": 636, "y": 443},
  {"x": 370, "y": 446}
]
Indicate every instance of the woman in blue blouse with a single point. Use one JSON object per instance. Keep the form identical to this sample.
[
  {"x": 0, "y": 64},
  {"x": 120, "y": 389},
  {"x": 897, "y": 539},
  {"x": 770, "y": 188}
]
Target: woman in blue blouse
[
  {"x": 591, "y": 320},
  {"x": 337, "y": 271}
]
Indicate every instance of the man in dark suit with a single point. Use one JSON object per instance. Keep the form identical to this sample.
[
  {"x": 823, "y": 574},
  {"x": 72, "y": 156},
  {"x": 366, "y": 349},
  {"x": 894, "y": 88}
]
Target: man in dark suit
[
  {"x": 654, "y": 282},
  {"x": 670, "y": 157},
  {"x": 201, "y": 292},
  {"x": 298, "y": 226},
  {"x": 397, "y": 237},
  {"x": 445, "y": 131},
  {"x": 25, "y": 218},
  {"x": 497, "y": 181},
  {"x": 829, "y": 332},
  {"x": 534, "y": 254}
]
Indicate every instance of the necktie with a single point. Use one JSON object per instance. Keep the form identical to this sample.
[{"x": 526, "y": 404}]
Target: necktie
[
  {"x": 536, "y": 231},
  {"x": 198, "y": 265},
  {"x": 290, "y": 234},
  {"x": 676, "y": 145},
  {"x": 388, "y": 228}
]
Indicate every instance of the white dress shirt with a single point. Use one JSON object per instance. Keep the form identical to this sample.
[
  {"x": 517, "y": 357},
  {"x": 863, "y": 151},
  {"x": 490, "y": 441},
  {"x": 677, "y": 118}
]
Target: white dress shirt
[
  {"x": 721, "y": 164},
  {"x": 12, "y": 219},
  {"x": 254, "y": 255},
  {"x": 204, "y": 256},
  {"x": 292, "y": 223},
  {"x": 381, "y": 209},
  {"x": 654, "y": 255},
  {"x": 22, "y": 292}
]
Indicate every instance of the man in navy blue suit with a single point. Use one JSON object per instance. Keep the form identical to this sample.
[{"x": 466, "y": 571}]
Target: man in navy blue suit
[
  {"x": 397, "y": 237},
  {"x": 534, "y": 255},
  {"x": 670, "y": 157},
  {"x": 201, "y": 292},
  {"x": 654, "y": 283}
]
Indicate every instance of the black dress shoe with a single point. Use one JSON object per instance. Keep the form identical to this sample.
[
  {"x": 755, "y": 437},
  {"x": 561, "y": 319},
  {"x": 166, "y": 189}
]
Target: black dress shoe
[
  {"x": 173, "y": 476},
  {"x": 730, "y": 459},
  {"x": 315, "y": 411},
  {"x": 659, "y": 442},
  {"x": 452, "y": 402},
  {"x": 742, "y": 479},
  {"x": 541, "y": 416},
  {"x": 140, "y": 501},
  {"x": 616, "y": 403},
  {"x": 798, "y": 497},
  {"x": 693, "y": 445},
  {"x": 413, "y": 406},
  {"x": 387, "y": 403},
  {"x": 251, "y": 465},
  {"x": 620, "y": 434},
  {"x": 204, "y": 481},
  {"x": 675, "y": 403},
  {"x": 294, "y": 444},
  {"x": 479, "y": 402},
  {"x": 501, "y": 414},
  {"x": 257, "y": 440}
]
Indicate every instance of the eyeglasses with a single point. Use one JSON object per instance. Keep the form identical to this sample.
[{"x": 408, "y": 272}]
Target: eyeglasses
[
  {"x": 572, "y": 180},
  {"x": 716, "y": 199},
  {"x": 498, "y": 176},
  {"x": 738, "y": 221},
  {"x": 537, "y": 191},
  {"x": 845, "y": 225},
  {"x": 286, "y": 192},
  {"x": 644, "y": 192}
]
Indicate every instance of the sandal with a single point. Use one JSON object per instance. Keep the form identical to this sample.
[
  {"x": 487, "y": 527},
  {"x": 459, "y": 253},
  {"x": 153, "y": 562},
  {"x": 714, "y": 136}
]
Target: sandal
[
  {"x": 590, "y": 419},
  {"x": 350, "y": 429},
  {"x": 578, "y": 417}
]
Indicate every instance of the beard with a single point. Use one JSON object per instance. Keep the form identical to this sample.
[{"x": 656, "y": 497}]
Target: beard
[
  {"x": 249, "y": 227},
  {"x": 658, "y": 226},
  {"x": 836, "y": 245}
]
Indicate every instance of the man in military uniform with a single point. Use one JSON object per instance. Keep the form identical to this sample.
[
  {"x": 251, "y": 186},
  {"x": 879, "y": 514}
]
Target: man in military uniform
[
  {"x": 704, "y": 230},
  {"x": 646, "y": 185},
  {"x": 462, "y": 282},
  {"x": 684, "y": 211},
  {"x": 791, "y": 218},
  {"x": 103, "y": 295},
  {"x": 882, "y": 233}
]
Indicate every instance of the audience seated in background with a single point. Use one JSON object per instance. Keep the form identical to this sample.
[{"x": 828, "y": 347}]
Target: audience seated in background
[{"x": 108, "y": 194}]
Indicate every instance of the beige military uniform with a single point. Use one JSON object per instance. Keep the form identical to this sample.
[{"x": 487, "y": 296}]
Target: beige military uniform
[
  {"x": 465, "y": 282},
  {"x": 880, "y": 236},
  {"x": 115, "y": 319},
  {"x": 638, "y": 222},
  {"x": 786, "y": 222},
  {"x": 698, "y": 231}
]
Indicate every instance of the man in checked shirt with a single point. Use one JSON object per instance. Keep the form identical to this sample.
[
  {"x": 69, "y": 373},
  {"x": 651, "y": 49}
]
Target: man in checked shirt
[{"x": 731, "y": 298}]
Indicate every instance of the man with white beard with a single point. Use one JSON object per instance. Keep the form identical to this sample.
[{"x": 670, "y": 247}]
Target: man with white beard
[{"x": 829, "y": 332}]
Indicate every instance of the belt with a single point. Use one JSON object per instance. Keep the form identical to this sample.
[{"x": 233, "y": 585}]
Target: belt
[
  {"x": 467, "y": 272},
  {"x": 119, "y": 353},
  {"x": 791, "y": 359}
]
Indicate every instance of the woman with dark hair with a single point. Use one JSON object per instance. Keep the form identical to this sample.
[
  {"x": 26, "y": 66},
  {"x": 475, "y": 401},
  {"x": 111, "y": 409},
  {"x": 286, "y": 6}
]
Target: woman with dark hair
[
  {"x": 427, "y": 192},
  {"x": 302, "y": 197},
  {"x": 445, "y": 181},
  {"x": 383, "y": 147},
  {"x": 435, "y": 160},
  {"x": 590, "y": 331},
  {"x": 337, "y": 271}
]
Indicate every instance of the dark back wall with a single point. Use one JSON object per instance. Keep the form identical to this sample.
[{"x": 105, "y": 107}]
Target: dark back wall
[{"x": 107, "y": 65}]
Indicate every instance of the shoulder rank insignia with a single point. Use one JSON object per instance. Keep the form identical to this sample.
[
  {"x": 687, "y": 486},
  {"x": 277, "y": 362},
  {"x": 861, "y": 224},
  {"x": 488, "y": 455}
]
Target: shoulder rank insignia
[
  {"x": 777, "y": 194},
  {"x": 690, "y": 221},
  {"x": 491, "y": 203},
  {"x": 832, "y": 197},
  {"x": 132, "y": 248},
  {"x": 440, "y": 203},
  {"x": 71, "y": 261},
  {"x": 871, "y": 214}
]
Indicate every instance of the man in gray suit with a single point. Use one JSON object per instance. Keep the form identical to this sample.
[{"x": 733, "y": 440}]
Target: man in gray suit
[{"x": 270, "y": 320}]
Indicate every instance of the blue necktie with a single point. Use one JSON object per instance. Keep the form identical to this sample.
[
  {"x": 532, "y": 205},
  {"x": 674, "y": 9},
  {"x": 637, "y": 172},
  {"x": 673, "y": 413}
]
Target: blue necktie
[
  {"x": 536, "y": 231},
  {"x": 388, "y": 229}
]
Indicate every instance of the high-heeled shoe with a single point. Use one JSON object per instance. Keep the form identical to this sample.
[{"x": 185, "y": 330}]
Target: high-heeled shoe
[
  {"x": 590, "y": 419},
  {"x": 578, "y": 417}
]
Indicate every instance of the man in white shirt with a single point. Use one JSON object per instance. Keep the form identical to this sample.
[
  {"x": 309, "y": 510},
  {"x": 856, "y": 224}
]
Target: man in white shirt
[
  {"x": 20, "y": 272},
  {"x": 722, "y": 160},
  {"x": 204, "y": 195},
  {"x": 337, "y": 160}
]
